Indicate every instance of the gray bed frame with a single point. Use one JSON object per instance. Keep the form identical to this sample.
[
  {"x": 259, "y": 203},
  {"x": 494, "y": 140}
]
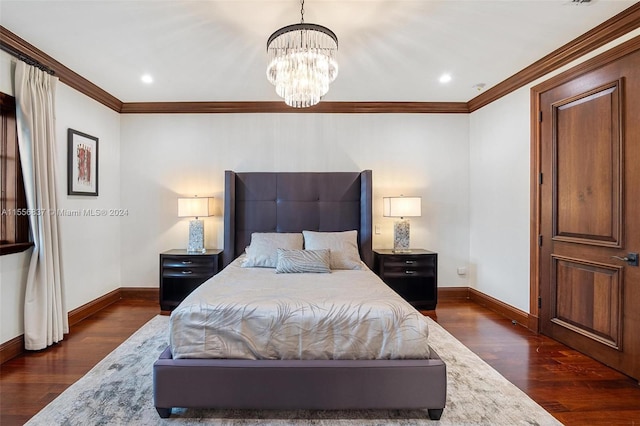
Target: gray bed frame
[{"x": 293, "y": 202}]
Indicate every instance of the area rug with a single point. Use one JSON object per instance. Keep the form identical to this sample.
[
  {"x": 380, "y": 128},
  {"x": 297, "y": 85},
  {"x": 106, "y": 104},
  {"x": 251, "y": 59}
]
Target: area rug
[{"x": 118, "y": 391}]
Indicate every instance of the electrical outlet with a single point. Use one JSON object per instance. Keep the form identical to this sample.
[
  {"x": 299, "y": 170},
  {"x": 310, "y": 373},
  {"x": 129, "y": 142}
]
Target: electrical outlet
[{"x": 462, "y": 270}]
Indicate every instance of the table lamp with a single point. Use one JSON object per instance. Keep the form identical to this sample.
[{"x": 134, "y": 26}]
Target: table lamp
[
  {"x": 401, "y": 207},
  {"x": 195, "y": 207}
]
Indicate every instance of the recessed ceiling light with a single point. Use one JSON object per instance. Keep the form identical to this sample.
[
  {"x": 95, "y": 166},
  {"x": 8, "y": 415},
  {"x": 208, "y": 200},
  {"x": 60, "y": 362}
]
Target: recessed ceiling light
[
  {"x": 146, "y": 78},
  {"x": 445, "y": 78}
]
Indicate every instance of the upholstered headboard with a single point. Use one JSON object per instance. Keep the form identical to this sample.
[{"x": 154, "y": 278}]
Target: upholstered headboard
[{"x": 296, "y": 202}]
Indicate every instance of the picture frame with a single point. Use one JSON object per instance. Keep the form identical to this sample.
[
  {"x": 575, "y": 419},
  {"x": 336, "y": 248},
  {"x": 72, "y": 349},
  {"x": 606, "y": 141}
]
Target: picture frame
[{"x": 82, "y": 163}]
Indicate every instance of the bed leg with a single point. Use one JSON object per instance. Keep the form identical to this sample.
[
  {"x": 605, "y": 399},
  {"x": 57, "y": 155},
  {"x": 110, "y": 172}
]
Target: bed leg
[
  {"x": 435, "y": 414},
  {"x": 164, "y": 412}
]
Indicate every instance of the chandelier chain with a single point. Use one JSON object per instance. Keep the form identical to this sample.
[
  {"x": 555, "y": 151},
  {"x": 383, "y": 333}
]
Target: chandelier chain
[{"x": 302, "y": 11}]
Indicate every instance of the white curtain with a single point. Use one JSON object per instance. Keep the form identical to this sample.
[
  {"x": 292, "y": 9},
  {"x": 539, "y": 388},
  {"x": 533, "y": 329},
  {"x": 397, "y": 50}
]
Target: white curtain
[{"x": 45, "y": 314}]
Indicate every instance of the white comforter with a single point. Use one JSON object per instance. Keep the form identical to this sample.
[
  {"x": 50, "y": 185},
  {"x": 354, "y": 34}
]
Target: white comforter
[{"x": 254, "y": 313}]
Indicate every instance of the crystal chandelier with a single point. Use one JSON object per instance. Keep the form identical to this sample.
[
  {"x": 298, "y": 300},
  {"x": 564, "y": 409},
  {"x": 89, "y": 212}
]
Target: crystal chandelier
[{"x": 302, "y": 62}]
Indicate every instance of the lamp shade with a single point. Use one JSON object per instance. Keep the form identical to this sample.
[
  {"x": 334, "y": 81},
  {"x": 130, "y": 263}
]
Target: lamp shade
[
  {"x": 195, "y": 206},
  {"x": 402, "y": 206}
]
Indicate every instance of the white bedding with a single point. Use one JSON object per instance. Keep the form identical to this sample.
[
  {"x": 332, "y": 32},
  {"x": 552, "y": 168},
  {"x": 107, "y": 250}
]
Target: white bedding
[{"x": 254, "y": 313}]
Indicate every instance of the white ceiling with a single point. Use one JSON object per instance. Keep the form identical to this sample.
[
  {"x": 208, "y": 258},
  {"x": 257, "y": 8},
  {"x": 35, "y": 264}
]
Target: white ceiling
[{"x": 389, "y": 50}]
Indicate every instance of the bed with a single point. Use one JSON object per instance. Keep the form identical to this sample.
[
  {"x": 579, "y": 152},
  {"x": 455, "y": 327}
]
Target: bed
[{"x": 206, "y": 374}]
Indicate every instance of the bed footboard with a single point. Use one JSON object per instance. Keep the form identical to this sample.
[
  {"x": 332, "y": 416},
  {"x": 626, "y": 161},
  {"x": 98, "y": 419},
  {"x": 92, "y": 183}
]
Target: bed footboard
[{"x": 299, "y": 384}]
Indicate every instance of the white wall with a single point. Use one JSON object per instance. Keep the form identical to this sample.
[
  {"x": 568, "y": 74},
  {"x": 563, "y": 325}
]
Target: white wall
[
  {"x": 499, "y": 193},
  {"x": 500, "y": 162},
  {"x": 90, "y": 245},
  {"x": 13, "y": 280},
  {"x": 6, "y": 76},
  {"x": 164, "y": 156}
]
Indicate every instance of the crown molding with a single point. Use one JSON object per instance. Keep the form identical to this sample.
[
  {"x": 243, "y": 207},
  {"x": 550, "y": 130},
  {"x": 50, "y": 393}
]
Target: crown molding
[
  {"x": 14, "y": 44},
  {"x": 609, "y": 30},
  {"x": 601, "y": 60},
  {"x": 617, "y": 26},
  {"x": 280, "y": 107}
]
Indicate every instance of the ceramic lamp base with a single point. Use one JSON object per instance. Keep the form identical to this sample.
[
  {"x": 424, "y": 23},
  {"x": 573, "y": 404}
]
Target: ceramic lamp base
[
  {"x": 401, "y": 236},
  {"x": 196, "y": 236}
]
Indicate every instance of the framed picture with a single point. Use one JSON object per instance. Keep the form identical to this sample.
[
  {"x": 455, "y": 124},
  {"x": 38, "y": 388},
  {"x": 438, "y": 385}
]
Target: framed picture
[{"x": 82, "y": 163}]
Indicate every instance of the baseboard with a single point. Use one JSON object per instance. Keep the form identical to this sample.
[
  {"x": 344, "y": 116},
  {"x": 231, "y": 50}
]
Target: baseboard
[
  {"x": 15, "y": 347},
  {"x": 88, "y": 309},
  {"x": 534, "y": 322},
  {"x": 453, "y": 293},
  {"x": 11, "y": 349},
  {"x": 140, "y": 293},
  {"x": 508, "y": 311}
]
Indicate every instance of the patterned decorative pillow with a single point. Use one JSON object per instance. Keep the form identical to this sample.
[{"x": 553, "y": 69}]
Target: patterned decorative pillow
[
  {"x": 343, "y": 246},
  {"x": 301, "y": 261},
  {"x": 263, "y": 250}
]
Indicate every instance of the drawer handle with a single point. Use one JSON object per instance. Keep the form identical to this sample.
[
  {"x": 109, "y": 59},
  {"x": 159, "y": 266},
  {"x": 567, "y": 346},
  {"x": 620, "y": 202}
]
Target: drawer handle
[
  {"x": 409, "y": 272},
  {"x": 409, "y": 262},
  {"x": 187, "y": 262},
  {"x": 187, "y": 272}
]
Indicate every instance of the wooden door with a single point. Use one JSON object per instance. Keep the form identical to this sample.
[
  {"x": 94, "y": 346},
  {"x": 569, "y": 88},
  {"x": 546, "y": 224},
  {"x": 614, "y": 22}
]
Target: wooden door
[{"x": 590, "y": 213}]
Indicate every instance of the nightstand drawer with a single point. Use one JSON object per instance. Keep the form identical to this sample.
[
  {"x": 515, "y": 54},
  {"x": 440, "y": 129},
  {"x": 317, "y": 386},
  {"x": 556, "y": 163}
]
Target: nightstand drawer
[
  {"x": 188, "y": 266},
  {"x": 191, "y": 262},
  {"x": 186, "y": 272},
  {"x": 396, "y": 272},
  {"x": 409, "y": 262},
  {"x": 407, "y": 266}
]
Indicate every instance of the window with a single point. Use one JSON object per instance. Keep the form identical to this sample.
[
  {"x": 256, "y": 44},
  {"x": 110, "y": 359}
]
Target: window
[{"x": 14, "y": 222}]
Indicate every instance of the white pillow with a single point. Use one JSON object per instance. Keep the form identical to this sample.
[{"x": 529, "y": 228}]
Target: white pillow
[
  {"x": 343, "y": 246},
  {"x": 263, "y": 250},
  {"x": 303, "y": 261}
]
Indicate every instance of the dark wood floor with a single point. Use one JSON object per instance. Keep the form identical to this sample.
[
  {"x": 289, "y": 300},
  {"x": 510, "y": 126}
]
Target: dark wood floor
[
  {"x": 28, "y": 383},
  {"x": 572, "y": 387}
]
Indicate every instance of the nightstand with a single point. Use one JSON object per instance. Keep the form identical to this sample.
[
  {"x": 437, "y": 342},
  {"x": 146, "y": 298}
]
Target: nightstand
[
  {"x": 414, "y": 275},
  {"x": 182, "y": 272}
]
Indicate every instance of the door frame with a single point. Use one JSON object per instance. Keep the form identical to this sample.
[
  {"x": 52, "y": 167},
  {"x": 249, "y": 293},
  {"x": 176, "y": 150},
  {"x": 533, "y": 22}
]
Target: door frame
[{"x": 599, "y": 61}]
